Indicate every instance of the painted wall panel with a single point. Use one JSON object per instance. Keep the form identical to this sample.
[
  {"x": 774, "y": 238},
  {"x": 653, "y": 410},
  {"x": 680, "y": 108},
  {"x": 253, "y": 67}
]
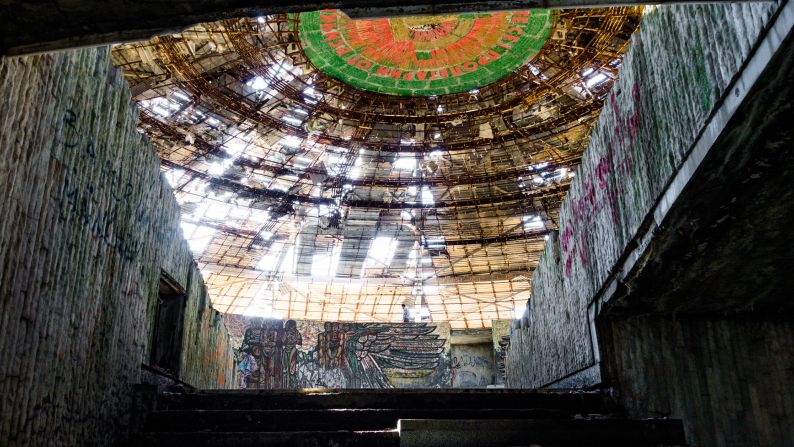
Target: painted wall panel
[{"x": 278, "y": 354}]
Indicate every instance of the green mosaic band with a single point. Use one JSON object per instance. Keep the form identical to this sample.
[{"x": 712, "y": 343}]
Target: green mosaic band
[{"x": 423, "y": 55}]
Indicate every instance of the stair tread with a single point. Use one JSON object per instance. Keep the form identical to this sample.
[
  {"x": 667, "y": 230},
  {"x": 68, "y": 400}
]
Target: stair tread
[
  {"x": 274, "y": 420},
  {"x": 391, "y": 418},
  {"x": 318, "y": 399}
]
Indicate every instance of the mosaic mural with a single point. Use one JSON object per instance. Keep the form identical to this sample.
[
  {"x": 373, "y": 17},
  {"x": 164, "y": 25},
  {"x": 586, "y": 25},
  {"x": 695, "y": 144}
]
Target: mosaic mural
[
  {"x": 423, "y": 55},
  {"x": 277, "y": 354}
]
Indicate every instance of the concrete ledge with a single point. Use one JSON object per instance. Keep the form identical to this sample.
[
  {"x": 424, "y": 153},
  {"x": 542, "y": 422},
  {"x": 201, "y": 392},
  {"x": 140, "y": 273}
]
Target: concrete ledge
[{"x": 561, "y": 432}]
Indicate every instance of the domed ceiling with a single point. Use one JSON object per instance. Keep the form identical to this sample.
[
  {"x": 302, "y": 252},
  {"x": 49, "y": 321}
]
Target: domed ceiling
[
  {"x": 423, "y": 55},
  {"x": 334, "y": 169}
]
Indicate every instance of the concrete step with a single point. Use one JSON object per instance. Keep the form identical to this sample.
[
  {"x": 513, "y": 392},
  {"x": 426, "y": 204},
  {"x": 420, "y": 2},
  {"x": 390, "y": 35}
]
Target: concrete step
[
  {"x": 570, "y": 402},
  {"x": 271, "y": 439},
  {"x": 541, "y": 432},
  {"x": 320, "y": 420}
]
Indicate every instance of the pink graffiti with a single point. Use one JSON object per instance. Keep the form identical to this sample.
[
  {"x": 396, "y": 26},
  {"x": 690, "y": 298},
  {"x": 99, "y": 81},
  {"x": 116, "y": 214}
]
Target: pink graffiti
[{"x": 603, "y": 186}]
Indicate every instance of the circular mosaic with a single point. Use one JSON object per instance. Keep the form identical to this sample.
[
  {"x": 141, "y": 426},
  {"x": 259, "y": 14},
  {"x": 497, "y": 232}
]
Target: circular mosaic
[{"x": 423, "y": 55}]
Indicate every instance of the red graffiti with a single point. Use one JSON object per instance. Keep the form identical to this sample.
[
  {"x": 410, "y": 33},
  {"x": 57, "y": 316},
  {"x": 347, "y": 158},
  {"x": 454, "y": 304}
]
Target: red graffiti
[{"x": 604, "y": 185}]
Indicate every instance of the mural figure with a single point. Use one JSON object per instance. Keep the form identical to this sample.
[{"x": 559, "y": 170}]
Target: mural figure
[
  {"x": 289, "y": 353},
  {"x": 246, "y": 367},
  {"x": 349, "y": 355}
]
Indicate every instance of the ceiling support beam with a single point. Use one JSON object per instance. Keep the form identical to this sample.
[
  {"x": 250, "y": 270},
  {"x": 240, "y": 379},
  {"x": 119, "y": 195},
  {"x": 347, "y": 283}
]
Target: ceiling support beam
[{"x": 48, "y": 26}]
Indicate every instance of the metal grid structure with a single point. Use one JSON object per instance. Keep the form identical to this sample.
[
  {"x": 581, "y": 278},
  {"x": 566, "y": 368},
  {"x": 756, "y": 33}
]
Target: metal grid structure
[{"x": 305, "y": 198}]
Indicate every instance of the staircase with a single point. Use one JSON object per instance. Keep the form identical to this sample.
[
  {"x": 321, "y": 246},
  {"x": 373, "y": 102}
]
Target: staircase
[{"x": 391, "y": 418}]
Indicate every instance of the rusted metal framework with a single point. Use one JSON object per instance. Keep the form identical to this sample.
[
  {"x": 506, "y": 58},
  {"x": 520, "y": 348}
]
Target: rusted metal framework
[{"x": 307, "y": 198}]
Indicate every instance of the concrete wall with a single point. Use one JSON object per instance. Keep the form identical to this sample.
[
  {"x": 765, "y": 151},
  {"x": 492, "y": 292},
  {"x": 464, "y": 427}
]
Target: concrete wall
[
  {"x": 500, "y": 332},
  {"x": 723, "y": 377},
  {"x": 278, "y": 354},
  {"x": 674, "y": 74},
  {"x": 472, "y": 365},
  {"x": 87, "y": 225}
]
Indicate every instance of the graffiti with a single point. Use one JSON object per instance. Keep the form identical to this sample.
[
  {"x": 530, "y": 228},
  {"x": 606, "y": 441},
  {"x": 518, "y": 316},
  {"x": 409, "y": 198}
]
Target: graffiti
[
  {"x": 345, "y": 355},
  {"x": 100, "y": 204},
  {"x": 603, "y": 187},
  {"x": 472, "y": 365}
]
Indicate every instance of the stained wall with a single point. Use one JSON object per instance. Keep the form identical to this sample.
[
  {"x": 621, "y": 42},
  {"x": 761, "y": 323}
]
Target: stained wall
[
  {"x": 88, "y": 227},
  {"x": 727, "y": 379},
  {"x": 677, "y": 68},
  {"x": 472, "y": 365}
]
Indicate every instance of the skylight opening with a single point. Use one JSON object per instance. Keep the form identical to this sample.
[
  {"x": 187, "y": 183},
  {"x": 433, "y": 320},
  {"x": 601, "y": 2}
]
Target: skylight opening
[
  {"x": 382, "y": 250},
  {"x": 216, "y": 211},
  {"x": 519, "y": 311},
  {"x": 239, "y": 212},
  {"x": 235, "y": 146},
  {"x": 325, "y": 264},
  {"x": 596, "y": 79},
  {"x": 288, "y": 263},
  {"x": 302, "y": 162},
  {"x": 319, "y": 210},
  {"x": 405, "y": 162},
  {"x": 291, "y": 141},
  {"x": 198, "y": 237},
  {"x": 311, "y": 92},
  {"x": 173, "y": 176},
  {"x": 410, "y": 274},
  {"x": 427, "y": 196},
  {"x": 269, "y": 261},
  {"x": 292, "y": 120},
  {"x": 217, "y": 169},
  {"x": 258, "y": 216},
  {"x": 259, "y": 310},
  {"x": 538, "y": 166},
  {"x": 261, "y": 305},
  {"x": 161, "y": 111},
  {"x": 533, "y": 69},
  {"x": 181, "y": 96},
  {"x": 258, "y": 83},
  {"x": 436, "y": 242},
  {"x": 533, "y": 223}
]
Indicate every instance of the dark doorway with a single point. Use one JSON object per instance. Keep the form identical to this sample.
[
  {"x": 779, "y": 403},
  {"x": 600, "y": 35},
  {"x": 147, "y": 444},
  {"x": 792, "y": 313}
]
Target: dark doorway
[{"x": 167, "y": 339}]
